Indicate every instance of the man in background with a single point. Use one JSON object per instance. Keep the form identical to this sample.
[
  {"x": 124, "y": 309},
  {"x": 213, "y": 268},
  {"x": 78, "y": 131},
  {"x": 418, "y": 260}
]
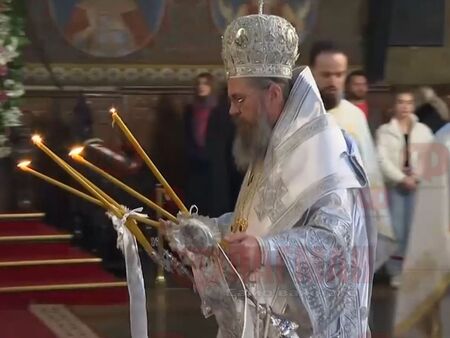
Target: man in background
[
  {"x": 329, "y": 65},
  {"x": 356, "y": 89}
]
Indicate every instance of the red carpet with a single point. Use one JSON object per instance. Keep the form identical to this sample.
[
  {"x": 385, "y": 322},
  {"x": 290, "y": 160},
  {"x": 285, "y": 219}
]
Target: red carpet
[
  {"x": 12, "y": 228},
  {"x": 36, "y": 268},
  {"x": 22, "y": 324},
  {"x": 54, "y": 274},
  {"x": 39, "y": 250}
]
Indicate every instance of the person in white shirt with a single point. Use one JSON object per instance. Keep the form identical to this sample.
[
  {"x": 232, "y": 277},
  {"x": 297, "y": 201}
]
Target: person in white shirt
[
  {"x": 329, "y": 65},
  {"x": 399, "y": 144}
]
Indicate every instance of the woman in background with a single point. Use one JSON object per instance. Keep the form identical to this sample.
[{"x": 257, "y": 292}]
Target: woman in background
[
  {"x": 212, "y": 182},
  {"x": 197, "y": 116},
  {"x": 398, "y": 144}
]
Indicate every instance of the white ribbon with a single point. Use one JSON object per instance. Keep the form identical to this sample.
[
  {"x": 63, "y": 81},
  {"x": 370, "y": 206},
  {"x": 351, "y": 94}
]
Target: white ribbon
[{"x": 126, "y": 242}]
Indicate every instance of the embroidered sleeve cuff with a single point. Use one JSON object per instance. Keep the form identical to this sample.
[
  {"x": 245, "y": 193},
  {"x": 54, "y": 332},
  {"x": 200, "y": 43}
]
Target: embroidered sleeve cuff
[
  {"x": 271, "y": 254},
  {"x": 262, "y": 249}
]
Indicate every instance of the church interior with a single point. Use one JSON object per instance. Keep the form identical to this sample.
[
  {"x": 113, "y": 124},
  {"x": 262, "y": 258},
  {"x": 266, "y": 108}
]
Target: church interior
[{"x": 67, "y": 67}]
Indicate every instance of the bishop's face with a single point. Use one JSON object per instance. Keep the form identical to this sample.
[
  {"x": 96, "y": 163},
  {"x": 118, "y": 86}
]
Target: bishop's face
[
  {"x": 246, "y": 101},
  {"x": 249, "y": 110}
]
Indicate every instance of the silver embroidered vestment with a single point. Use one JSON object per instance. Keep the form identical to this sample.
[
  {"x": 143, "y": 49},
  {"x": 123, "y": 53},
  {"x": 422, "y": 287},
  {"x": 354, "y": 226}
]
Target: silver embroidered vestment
[{"x": 317, "y": 244}]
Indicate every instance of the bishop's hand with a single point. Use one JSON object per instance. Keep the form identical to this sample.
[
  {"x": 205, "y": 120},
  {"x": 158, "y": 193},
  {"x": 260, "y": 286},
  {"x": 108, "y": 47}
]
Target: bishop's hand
[{"x": 244, "y": 252}]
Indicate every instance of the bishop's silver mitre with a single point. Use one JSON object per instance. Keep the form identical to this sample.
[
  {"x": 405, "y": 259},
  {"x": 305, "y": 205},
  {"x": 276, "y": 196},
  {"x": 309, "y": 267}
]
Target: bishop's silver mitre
[{"x": 260, "y": 45}]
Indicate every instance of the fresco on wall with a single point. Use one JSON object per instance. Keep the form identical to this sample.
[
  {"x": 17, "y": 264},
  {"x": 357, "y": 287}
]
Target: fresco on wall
[
  {"x": 179, "y": 38},
  {"x": 106, "y": 28},
  {"x": 301, "y": 13}
]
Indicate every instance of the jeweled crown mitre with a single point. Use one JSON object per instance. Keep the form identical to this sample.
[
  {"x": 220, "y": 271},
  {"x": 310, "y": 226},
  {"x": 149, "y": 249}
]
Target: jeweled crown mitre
[{"x": 260, "y": 45}]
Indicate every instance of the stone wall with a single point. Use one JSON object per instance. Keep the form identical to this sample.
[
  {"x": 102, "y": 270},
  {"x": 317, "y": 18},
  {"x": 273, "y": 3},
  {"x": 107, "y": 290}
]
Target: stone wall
[{"x": 421, "y": 65}]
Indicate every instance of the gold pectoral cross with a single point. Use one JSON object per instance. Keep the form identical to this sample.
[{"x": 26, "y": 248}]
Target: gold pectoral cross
[{"x": 246, "y": 197}]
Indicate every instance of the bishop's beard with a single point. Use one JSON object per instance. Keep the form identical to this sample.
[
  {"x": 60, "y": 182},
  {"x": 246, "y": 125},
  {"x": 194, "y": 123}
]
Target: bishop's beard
[{"x": 251, "y": 142}]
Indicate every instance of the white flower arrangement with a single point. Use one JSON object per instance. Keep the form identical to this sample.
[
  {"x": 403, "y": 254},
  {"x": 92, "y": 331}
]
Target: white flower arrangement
[
  {"x": 13, "y": 88},
  {"x": 10, "y": 86},
  {"x": 12, "y": 117}
]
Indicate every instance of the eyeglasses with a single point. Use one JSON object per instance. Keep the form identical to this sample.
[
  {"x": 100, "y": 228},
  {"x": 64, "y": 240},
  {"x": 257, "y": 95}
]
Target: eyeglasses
[{"x": 239, "y": 100}]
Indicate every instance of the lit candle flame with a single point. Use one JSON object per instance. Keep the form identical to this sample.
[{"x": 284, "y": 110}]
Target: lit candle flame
[
  {"x": 37, "y": 139},
  {"x": 76, "y": 152},
  {"x": 23, "y": 164},
  {"x": 113, "y": 110}
]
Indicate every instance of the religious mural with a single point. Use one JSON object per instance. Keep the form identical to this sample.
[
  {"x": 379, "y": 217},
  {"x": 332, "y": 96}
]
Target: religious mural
[
  {"x": 112, "y": 28},
  {"x": 162, "y": 42},
  {"x": 300, "y": 13}
]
